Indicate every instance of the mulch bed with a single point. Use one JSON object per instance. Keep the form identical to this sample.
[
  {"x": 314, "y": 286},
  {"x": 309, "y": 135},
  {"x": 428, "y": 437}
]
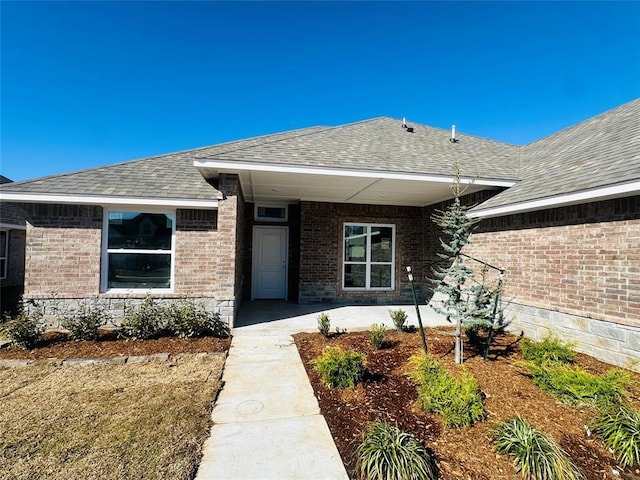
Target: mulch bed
[
  {"x": 109, "y": 344},
  {"x": 465, "y": 453}
]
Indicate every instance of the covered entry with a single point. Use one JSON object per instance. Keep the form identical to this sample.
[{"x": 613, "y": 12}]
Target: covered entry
[{"x": 269, "y": 262}]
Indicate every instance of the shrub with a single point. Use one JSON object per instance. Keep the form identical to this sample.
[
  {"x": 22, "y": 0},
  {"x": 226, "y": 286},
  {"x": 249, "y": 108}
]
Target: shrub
[
  {"x": 84, "y": 324},
  {"x": 550, "y": 350},
  {"x": 619, "y": 427},
  {"x": 575, "y": 386},
  {"x": 26, "y": 328},
  {"x": 187, "y": 319},
  {"x": 376, "y": 335},
  {"x": 458, "y": 400},
  {"x": 144, "y": 321},
  {"x": 324, "y": 324},
  {"x": 399, "y": 318},
  {"x": 340, "y": 368},
  {"x": 388, "y": 453},
  {"x": 536, "y": 455}
]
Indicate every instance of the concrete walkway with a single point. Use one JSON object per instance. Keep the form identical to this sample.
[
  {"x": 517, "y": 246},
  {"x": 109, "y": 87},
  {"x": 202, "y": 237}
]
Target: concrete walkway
[{"x": 266, "y": 420}]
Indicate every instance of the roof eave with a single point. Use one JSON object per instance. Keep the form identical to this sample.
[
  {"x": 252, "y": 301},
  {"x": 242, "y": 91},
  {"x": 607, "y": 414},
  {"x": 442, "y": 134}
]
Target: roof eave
[
  {"x": 608, "y": 192},
  {"x": 108, "y": 200}
]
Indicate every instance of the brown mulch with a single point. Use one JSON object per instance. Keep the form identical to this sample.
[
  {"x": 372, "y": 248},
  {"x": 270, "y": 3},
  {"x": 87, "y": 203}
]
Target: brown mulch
[
  {"x": 109, "y": 344},
  {"x": 465, "y": 453}
]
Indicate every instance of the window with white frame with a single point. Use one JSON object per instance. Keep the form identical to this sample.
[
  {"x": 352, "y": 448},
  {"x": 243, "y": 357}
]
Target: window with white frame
[
  {"x": 369, "y": 256},
  {"x": 4, "y": 253},
  {"x": 139, "y": 250}
]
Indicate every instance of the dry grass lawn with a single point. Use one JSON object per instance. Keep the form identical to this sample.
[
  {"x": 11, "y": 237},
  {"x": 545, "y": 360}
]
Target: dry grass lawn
[{"x": 105, "y": 421}]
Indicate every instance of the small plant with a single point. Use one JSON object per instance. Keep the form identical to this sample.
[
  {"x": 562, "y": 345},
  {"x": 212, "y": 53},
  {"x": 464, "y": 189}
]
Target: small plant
[
  {"x": 144, "y": 321},
  {"x": 388, "y": 453},
  {"x": 458, "y": 400},
  {"x": 84, "y": 324},
  {"x": 26, "y": 328},
  {"x": 376, "y": 335},
  {"x": 536, "y": 455},
  {"x": 340, "y": 368},
  {"x": 187, "y": 319},
  {"x": 550, "y": 350},
  {"x": 399, "y": 318},
  {"x": 619, "y": 427},
  {"x": 324, "y": 324},
  {"x": 575, "y": 386}
]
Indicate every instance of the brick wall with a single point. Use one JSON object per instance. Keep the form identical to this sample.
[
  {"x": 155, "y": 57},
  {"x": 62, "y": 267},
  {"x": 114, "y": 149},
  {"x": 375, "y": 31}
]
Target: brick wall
[
  {"x": 321, "y": 236},
  {"x": 575, "y": 270}
]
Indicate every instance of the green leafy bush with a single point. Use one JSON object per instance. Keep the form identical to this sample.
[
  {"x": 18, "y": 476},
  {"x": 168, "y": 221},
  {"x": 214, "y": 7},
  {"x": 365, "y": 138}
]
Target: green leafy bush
[
  {"x": 324, "y": 324},
  {"x": 144, "y": 321},
  {"x": 26, "y": 328},
  {"x": 399, "y": 318},
  {"x": 388, "y": 453},
  {"x": 376, "y": 335},
  {"x": 550, "y": 350},
  {"x": 536, "y": 455},
  {"x": 619, "y": 427},
  {"x": 575, "y": 386},
  {"x": 188, "y": 319},
  {"x": 340, "y": 368},
  {"x": 458, "y": 400},
  {"x": 84, "y": 324}
]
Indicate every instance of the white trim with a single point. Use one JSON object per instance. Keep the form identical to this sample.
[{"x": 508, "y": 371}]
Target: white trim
[
  {"x": 104, "y": 264},
  {"x": 255, "y": 256},
  {"x": 261, "y": 167},
  {"x": 106, "y": 200},
  {"x": 368, "y": 263},
  {"x": 12, "y": 226},
  {"x": 585, "y": 196}
]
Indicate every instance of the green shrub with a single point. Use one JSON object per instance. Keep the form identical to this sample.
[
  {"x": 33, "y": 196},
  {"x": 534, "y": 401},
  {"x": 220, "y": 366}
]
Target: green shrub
[
  {"x": 550, "y": 350},
  {"x": 619, "y": 427},
  {"x": 188, "y": 319},
  {"x": 376, "y": 335},
  {"x": 399, "y": 318},
  {"x": 26, "y": 328},
  {"x": 324, "y": 324},
  {"x": 458, "y": 400},
  {"x": 388, "y": 453},
  {"x": 575, "y": 386},
  {"x": 536, "y": 455},
  {"x": 84, "y": 324},
  {"x": 340, "y": 368},
  {"x": 144, "y": 321}
]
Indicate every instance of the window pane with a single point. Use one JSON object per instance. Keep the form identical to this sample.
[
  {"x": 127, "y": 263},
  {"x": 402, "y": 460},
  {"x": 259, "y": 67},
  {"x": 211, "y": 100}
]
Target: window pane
[
  {"x": 355, "y": 276},
  {"x": 355, "y": 243},
  {"x": 3, "y": 246},
  {"x": 144, "y": 231},
  {"x": 380, "y": 276},
  {"x": 132, "y": 270},
  {"x": 381, "y": 244},
  {"x": 277, "y": 213}
]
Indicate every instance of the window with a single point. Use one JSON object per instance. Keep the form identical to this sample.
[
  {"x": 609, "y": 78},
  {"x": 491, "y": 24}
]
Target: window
[
  {"x": 271, "y": 213},
  {"x": 369, "y": 257},
  {"x": 139, "y": 250},
  {"x": 4, "y": 253}
]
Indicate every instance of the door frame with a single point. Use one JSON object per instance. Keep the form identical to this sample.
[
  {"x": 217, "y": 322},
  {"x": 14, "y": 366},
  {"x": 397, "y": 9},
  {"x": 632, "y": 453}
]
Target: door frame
[{"x": 254, "y": 250}]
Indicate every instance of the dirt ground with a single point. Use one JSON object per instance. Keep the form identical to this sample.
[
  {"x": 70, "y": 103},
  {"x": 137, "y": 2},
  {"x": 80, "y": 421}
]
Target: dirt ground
[
  {"x": 57, "y": 345},
  {"x": 461, "y": 454}
]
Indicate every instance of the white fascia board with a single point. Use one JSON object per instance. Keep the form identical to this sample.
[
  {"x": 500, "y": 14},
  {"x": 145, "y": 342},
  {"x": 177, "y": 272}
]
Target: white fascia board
[
  {"x": 262, "y": 167},
  {"x": 105, "y": 200},
  {"x": 12, "y": 226},
  {"x": 584, "y": 196}
]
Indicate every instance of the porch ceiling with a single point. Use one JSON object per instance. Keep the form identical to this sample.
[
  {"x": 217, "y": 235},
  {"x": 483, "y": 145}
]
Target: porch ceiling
[{"x": 267, "y": 184}]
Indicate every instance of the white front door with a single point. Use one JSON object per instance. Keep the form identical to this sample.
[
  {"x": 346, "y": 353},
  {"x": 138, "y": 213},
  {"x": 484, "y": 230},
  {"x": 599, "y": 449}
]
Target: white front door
[{"x": 269, "y": 277}]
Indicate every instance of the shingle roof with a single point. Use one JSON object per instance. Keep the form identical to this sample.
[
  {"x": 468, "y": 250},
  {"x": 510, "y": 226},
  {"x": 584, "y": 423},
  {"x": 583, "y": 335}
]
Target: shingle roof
[
  {"x": 380, "y": 144},
  {"x": 601, "y": 151},
  {"x": 170, "y": 176}
]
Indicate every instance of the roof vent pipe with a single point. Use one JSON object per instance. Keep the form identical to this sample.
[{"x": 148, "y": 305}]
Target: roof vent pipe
[
  {"x": 453, "y": 134},
  {"x": 404, "y": 122}
]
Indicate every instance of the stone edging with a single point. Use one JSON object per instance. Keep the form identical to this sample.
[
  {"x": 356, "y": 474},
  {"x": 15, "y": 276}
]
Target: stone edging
[{"x": 162, "y": 357}]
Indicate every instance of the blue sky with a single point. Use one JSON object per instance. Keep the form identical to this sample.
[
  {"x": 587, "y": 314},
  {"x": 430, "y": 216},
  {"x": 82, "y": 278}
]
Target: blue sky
[{"x": 92, "y": 83}]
